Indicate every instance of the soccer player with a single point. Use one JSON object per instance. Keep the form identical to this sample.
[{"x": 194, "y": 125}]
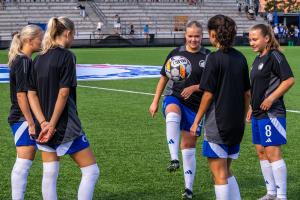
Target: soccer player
[
  {"x": 52, "y": 97},
  {"x": 226, "y": 86},
  {"x": 23, "y": 45},
  {"x": 271, "y": 77},
  {"x": 181, "y": 103}
]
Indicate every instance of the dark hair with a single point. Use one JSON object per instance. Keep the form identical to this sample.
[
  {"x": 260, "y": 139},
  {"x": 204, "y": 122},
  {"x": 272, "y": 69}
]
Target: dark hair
[
  {"x": 225, "y": 29},
  {"x": 194, "y": 23},
  {"x": 266, "y": 30}
]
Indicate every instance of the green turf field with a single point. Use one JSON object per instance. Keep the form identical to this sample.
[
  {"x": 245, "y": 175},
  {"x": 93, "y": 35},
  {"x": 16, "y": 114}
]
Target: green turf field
[{"x": 131, "y": 148}]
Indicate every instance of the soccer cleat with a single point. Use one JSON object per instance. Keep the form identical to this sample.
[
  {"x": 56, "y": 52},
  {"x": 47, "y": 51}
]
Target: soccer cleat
[
  {"x": 174, "y": 165},
  {"x": 268, "y": 197},
  {"x": 188, "y": 194}
]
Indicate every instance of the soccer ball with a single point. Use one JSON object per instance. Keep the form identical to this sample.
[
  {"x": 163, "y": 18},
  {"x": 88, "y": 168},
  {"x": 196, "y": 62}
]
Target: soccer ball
[{"x": 178, "y": 68}]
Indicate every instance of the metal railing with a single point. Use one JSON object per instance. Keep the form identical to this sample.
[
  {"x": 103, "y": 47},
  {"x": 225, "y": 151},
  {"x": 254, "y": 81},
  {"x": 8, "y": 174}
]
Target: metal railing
[{"x": 97, "y": 11}]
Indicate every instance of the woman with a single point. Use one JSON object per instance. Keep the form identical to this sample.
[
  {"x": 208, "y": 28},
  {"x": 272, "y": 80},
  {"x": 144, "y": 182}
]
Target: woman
[
  {"x": 23, "y": 45},
  {"x": 225, "y": 101},
  {"x": 52, "y": 97},
  {"x": 180, "y": 105},
  {"x": 271, "y": 77}
]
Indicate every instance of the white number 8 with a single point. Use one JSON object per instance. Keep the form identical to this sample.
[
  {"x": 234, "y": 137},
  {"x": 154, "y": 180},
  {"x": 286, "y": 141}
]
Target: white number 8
[{"x": 268, "y": 130}]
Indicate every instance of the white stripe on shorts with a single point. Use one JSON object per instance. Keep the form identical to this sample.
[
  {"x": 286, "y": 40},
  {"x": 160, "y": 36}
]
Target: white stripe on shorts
[
  {"x": 63, "y": 148},
  {"x": 20, "y": 131},
  {"x": 45, "y": 148},
  {"x": 278, "y": 126},
  {"x": 234, "y": 156},
  {"x": 218, "y": 150}
]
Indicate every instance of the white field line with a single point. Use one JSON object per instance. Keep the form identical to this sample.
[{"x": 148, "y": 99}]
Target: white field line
[{"x": 143, "y": 93}]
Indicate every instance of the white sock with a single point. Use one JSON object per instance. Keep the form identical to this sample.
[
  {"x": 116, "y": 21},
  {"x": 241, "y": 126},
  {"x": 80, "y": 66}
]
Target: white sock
[
  {"x": 89, "y": 179},
  {"x": 50, "y": 174},
  {"x": 189, "y": 167},
  {"x": 19, "y": 178},
  {"x": 222, "y": 192},
  {"x": 280, "y": 176},
  {"x": 234, "y": 191},
  {"x": 267, "y": 172},
  {"x": 173, "y": 133}
]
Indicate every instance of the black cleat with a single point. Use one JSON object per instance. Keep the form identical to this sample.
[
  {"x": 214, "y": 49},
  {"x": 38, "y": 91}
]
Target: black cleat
[
  {"x": 174, "y": 166},
  {"x": 188, "y": 194}
]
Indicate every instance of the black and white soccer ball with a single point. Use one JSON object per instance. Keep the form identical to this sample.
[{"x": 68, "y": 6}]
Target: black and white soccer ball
[{"x": 178, "y": 68}]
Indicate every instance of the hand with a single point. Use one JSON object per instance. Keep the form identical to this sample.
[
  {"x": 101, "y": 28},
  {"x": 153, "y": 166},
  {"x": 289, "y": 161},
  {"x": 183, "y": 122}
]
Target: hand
[
  {"x": 249, "y": 115},
  {"x": 31, "y": 130},
  {"x": 193, "y": 129},
  {"x": 266, "y": 104},
  {"x": 188, "y": 91},
  {"x": 153, "y": 109},
  {"x": 47, "y": 133}
]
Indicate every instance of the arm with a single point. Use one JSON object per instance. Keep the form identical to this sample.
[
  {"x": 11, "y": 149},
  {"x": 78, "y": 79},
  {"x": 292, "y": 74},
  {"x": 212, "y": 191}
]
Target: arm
[
  {"x": 280, "y": 91},
  {"x": 24, "y": 106},
  {"x": 247, "y": 107},
  {"x": 188, "y": 91},
  {"x": 36, "y": 107},
  {"x": 205, "y": 102},
  {"x": 159, "y": 90},
  {"x": 49, "y": 130}
]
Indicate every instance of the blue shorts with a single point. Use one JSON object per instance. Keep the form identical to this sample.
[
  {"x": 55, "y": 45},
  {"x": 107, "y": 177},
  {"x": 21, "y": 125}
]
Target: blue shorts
[
  {"x": 71, "y": 147},
  {"x": 21, "y": 134},
  {"x": 187, "y": 115},
  {"x": 212, "y": 150},
  {"x": 269, "y": 131}
]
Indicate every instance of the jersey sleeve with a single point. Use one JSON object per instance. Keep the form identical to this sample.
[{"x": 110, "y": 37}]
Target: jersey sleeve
[
  {"x": 67, "y": 72},
  {"x": 281, "y": 66},
  {"x": 32, "y": 83},
  {"x": 21, "y": 74},
  {"x": 209, "y": 79},
  {"x": 163, "y": 71},
  {"x": 246, "y": 76}
]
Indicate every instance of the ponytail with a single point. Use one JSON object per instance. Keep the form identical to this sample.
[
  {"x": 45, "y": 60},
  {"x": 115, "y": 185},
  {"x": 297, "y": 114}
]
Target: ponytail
[
  {"x": 28, "y": 32},
  {"x": 15, "y": 48},
  {"x": 55, "y": 28},
  {"x": 266, "y": 30}
]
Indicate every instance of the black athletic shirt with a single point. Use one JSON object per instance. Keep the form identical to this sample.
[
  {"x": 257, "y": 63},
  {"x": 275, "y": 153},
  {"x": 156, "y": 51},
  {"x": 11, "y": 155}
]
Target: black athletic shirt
[
  {"x": 226, "y": 76},
  {"x": 51, "y": 71},
  {"x": 266, "y": 75},
  {"x": 18, "y": 77},
  {"x": 197, "y": 61}
]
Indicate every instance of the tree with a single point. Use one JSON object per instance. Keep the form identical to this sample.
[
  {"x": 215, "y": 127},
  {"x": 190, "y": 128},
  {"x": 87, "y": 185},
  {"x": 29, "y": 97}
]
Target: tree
[
  {"x": 292, "y": 6},
  {"x": 273, "y": 5}
]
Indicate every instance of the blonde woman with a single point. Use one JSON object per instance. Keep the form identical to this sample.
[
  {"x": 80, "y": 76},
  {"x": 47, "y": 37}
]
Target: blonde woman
[
  {"x": 52, "y": 97},
  {"x": 23, "y": 45}
]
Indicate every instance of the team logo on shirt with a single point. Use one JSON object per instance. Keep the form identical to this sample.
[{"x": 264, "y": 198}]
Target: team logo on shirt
[
  {"x": 202, "y": 63},
  {"x": 260, "y": 66}
]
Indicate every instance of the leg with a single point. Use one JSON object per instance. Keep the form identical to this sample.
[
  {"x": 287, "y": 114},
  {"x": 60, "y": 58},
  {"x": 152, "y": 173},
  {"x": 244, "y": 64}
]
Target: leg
[
  {"x": 90, "y": 173},
  {"x": 218, "y": 167},
  {"x": 279, "y": 170},
  {"x": 50, "y": 174},
  {"x": 19, "y": 174},
  {"x": 234, "y": 191},
  {"x": 267, "y": 172},
  {"x": 188, "y": 146},
  {"x": 173, "y": 118}
]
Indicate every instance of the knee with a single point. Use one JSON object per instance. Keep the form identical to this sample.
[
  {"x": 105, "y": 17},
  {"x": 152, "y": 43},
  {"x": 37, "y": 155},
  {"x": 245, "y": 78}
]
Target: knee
[
  {"x": 173, "y": 117},
  {"x": 261, "y": 154},
  {"x": 91, "y": 171}
]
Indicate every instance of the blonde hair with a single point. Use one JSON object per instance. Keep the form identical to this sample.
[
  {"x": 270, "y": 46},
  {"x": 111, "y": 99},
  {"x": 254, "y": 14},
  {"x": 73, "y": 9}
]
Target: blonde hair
[
  {"x": 28, "y": 32},
  {"x": 266, "y": 30},
  {"x": 55, "y": 27}
]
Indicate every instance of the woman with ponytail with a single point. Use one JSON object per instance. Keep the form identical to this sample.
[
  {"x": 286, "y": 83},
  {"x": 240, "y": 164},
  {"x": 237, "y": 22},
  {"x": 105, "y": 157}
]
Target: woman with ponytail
[
  {"x": 271, "y": 77},
  {"x": 23, "y": 45},
  {"x": 226, "y": 86},
  {"x": 52, "y": 97}
]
